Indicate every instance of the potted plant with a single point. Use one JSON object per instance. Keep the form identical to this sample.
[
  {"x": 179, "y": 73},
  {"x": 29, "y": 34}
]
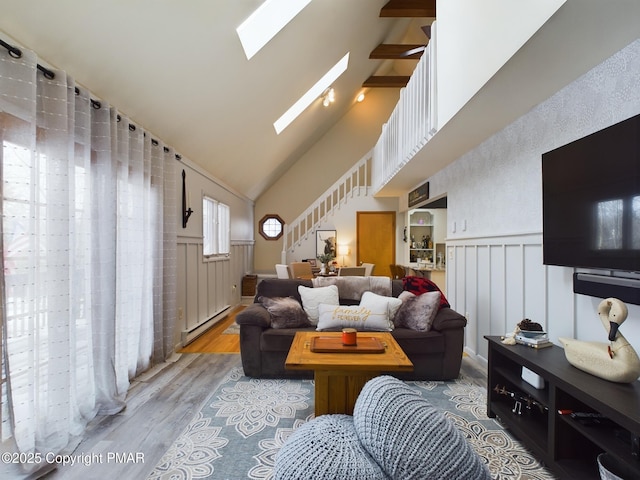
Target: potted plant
[{"x": 324, "y": 259}]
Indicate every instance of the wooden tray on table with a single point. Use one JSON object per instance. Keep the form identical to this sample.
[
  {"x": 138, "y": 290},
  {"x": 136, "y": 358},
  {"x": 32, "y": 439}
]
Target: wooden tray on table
[{"x": 365, "y": 344}]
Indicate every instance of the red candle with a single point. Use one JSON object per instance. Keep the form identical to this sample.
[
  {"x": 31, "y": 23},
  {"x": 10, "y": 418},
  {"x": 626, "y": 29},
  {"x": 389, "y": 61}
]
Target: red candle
[{"x": 349, "y": 336}]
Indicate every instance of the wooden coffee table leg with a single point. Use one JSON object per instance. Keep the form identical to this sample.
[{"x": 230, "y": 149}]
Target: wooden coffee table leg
[{"x": 337, "y": 391}]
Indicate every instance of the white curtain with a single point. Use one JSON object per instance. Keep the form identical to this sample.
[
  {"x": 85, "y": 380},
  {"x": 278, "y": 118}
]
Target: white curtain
[{"x": 89, "y": 239}]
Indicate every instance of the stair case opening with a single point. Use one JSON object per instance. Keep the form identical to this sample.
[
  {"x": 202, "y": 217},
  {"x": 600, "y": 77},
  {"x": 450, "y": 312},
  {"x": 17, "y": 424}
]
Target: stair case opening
[{"x": 355, "y": 183}]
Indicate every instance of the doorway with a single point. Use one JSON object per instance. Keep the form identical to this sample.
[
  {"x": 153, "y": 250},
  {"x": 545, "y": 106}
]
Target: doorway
[{"x": 376, "y": 240}]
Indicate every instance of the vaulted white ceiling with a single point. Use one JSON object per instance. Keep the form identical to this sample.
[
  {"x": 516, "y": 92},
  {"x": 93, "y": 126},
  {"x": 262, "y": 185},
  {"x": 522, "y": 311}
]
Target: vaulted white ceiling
[{"x": 178, "y": 69}]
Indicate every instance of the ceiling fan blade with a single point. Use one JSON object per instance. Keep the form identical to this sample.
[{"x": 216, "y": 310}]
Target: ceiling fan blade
[{"x": 413, "y": 51}]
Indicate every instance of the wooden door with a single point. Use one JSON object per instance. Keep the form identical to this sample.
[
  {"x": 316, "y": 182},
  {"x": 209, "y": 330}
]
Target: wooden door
[{"x": 376, "y": 240}]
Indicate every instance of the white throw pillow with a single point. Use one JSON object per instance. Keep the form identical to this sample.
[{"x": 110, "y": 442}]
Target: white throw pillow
[
  {"x": 379, "y": 302},
  {"x": 336, "y": 317},
  {"x": 312, "y": 297}
]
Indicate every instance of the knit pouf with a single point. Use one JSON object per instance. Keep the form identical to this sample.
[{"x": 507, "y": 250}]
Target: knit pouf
[
  {"x": 409, "y": 438},
  {"x": 326, "y": 447}
]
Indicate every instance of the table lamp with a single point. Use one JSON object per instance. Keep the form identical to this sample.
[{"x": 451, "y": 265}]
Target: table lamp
[{"x": 343, "y": 250}]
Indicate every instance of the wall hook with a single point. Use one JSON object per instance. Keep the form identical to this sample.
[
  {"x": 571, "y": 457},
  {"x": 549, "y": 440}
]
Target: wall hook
[{"x": 186, "y": 211}]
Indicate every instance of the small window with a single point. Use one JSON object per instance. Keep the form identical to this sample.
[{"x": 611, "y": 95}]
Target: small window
[
  {"x": 215, "y": 227},
  {"x": 271, "y": 227}
]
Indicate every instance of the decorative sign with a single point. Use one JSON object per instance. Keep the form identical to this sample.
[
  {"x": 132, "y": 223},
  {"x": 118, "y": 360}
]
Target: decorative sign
[{"x": 419, "y": 195}]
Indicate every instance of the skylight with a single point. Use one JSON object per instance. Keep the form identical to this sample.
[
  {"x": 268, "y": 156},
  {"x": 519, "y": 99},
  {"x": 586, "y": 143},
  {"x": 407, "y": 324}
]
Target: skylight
[
  {"x": 265, "y": 23},
  {"x": 312, "y": 94}
]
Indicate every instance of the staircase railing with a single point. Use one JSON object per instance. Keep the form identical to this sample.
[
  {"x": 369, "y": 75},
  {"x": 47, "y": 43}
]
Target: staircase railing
[
  {"x": 411, "y": 124},
  {"x": 356, "y": 182}
]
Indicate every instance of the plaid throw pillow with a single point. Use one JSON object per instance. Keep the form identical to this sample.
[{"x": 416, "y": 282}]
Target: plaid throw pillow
[{"x": 420, "y": 285}]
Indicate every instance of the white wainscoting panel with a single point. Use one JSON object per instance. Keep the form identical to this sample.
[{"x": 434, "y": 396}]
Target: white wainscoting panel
[
  {"x": 208, "y": 287},
  {"x": 498, "y": 281}
]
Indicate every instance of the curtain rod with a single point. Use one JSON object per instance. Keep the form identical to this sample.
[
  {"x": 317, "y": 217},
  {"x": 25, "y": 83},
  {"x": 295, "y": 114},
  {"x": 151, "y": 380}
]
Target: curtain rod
[{"x": 15, "y": 52}]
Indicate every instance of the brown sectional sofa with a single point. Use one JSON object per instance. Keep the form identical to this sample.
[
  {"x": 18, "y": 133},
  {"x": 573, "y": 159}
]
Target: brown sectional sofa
[{"x": 436, "y": 354}]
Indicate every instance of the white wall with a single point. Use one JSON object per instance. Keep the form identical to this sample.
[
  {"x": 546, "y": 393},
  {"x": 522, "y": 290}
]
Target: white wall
[
  {"x": 495, "y": 273},
  {"x": 475, "y": 39},
  {"x": 207, "y": 286}
]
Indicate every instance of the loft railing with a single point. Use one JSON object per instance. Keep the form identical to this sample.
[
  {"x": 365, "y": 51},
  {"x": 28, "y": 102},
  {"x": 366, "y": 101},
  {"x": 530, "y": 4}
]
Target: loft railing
[
  {"x": 411, "y": 124},
  {"x": 356, "y": 182}
]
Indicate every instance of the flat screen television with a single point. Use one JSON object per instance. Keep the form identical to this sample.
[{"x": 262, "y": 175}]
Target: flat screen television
[{"x": 591, "y": 200}]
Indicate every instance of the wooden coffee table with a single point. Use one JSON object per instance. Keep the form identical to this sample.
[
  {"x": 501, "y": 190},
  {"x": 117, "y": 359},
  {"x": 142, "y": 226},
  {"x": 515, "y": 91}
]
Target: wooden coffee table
[{"x": 340, "y": 376}]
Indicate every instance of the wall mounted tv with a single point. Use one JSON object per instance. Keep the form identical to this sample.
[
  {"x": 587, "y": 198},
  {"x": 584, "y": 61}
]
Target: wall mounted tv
[{"x": 591, "y": 200}]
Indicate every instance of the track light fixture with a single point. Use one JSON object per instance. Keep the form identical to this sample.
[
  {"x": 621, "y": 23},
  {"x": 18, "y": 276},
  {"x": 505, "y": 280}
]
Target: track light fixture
[{"x": 328, "y": 96}]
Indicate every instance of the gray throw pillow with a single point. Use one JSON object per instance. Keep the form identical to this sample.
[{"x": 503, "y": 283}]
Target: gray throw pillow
[
  {"x": 417, "y": 312},
  {"x": 285, "y": 312}
]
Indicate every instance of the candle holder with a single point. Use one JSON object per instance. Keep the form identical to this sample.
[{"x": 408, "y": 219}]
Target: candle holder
[{"x": 349, "y": 337}]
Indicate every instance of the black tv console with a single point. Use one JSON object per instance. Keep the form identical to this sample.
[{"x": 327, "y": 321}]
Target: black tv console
[{"x": 575, "y": 417}]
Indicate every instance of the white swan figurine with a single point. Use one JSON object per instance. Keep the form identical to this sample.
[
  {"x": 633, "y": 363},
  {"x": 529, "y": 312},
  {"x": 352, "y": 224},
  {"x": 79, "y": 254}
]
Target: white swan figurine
[{"x": 616, "y": 361}]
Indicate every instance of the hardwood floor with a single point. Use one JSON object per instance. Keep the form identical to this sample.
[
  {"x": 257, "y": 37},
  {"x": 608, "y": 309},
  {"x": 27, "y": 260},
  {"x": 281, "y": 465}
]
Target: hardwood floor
[
  {"x": 161, "y": 403},
  {"x": 214, "y": 340},
  {"x": 474, "y": 371}
]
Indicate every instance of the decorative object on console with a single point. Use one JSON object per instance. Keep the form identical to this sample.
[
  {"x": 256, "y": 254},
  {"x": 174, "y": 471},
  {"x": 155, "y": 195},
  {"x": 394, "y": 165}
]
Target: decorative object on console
[
  {"x": 539, "y": 341},
  {"x": 616, "y": 361},
  {"x": 528, "y": 333},
  {"x": 527, "y": 325}
]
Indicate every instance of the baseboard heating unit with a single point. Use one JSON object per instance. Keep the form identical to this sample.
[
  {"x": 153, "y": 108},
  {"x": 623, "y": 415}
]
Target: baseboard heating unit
[{"x": 190, "y": 335}]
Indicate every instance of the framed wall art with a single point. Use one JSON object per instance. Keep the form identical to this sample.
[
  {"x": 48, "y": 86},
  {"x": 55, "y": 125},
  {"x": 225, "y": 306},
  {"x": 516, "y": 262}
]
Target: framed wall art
[{"x": 326, "y": 242}]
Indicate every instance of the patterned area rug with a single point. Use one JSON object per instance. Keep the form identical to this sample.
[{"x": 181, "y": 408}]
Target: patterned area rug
[{"x": 238, "y": 431}]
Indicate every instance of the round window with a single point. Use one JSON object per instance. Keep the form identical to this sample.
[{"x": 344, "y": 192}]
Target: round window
[{"x": 271, "y": 227}]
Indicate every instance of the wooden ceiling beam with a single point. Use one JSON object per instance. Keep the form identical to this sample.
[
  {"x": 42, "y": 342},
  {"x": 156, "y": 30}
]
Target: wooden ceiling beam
[
  {"x": 386, "y": 81},
  {"x": 395, "y": 51},
  {"x": 409, "y": 8}
]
